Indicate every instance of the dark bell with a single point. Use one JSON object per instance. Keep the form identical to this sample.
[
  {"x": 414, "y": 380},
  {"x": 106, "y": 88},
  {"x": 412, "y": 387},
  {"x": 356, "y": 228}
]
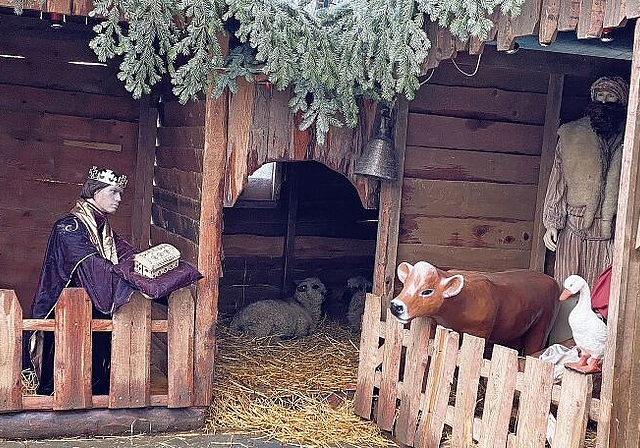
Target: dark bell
[{"x": 379, "y": 158}]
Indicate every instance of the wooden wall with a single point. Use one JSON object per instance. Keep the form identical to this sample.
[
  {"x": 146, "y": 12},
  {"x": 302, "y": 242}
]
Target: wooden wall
[
  {"x": 473, "y": 157},
  {"x": 56, "y": 120}
]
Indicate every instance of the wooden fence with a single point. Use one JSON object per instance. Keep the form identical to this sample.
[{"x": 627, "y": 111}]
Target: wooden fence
[
  {"x": 414, "y": 387},
  {"x": 131, "y": 328}
]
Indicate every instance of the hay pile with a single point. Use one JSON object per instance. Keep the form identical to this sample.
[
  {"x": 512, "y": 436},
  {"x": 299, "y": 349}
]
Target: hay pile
[{"x": 296, "y": 392}]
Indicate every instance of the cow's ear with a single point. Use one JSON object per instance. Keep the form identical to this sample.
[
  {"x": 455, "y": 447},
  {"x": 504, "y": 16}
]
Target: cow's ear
[
  {"x": 403, "y": 271},
  {"x": 452, "y": 285}
]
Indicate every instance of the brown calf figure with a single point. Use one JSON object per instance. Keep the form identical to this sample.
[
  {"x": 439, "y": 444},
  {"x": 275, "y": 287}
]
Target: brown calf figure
[{"x": 511, "y": 308}]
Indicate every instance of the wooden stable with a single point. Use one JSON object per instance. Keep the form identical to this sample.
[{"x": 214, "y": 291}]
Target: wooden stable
[{"x": 475, "y": 152}]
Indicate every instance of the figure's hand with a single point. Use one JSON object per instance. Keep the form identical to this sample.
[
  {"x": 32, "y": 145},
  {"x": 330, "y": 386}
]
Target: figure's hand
[{"x": 551, "y": 239}]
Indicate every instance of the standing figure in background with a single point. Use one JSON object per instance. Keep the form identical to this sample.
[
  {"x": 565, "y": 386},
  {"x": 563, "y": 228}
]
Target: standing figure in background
[
  {"x": 81, "y": 252},
  {"x": 582, "y": 196}
]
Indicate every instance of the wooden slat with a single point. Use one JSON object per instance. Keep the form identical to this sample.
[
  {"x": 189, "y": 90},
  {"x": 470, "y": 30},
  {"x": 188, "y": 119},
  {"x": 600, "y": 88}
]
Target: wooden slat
[
  {"x": 573, "y": 410},
  {"x": 470, "y": 363},
  {"x": 438, "y": 388},
  {"x": 189, "y": 136},
  {"x": 414, "y": 367},
  {"x": 549, "y": 21},
  {"x": 472, "y": 134},
  {"x": 184, "y": 183},
  {"x": 188, "y": 249},
  {"x": 180, "y": 204},
  {"x": 241, "y": 109},
  {"x": 210, "y": 243},
  {"x": 470, "y": 258},
  {"x": 506, "y": 34},
  {"x": 484, "y": 102},
  {"x": 569, "y": 15},
  {"x": 632, "y": 8},
  {"x": 61, "y": 6},
  {"x": 130, "y": 385},
  {"x": 552, "y": 121},
  {"x": 180, "y": 348},
  {"x": 72, "y": 357},
  {"x": 591, "y": 18},
  {"x": 499, "y": 397},
  {"x": 469, "y": 199},
  {"x": 367, "y": 356},
  {"x": 473, "y": 166},
  {"x": 534, "y": 404},
  {"x": 178, "y": 115},
  {"x": 386, "y": 415},
  {"x": 10, "y": 352},
  {"x": 183, "y": 158},
  {"x": 614, "y": 14},
  {"x": 417, "y": 229},
  {"x": 81, "y": 7},
  {"x": 526, "y": 23}
]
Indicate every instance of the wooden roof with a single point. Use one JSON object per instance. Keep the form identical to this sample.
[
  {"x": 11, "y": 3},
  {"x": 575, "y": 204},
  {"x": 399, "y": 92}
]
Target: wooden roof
[{"x": 541, "y": 18}]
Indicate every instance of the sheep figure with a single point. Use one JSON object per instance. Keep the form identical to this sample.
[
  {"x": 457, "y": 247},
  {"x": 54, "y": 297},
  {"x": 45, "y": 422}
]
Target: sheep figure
[
  {"x": 292, "y": 318},
  {"x": 358, "y": 287}
]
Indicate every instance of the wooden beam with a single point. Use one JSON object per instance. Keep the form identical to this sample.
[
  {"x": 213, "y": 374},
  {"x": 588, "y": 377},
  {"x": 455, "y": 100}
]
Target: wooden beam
[
  {"x": 619, "y": 423},
  {"x": 389, "y": 215},
  {"x": 143, "y": 187},
  {"x": 549, "y": 138},
  {"x": 290, "y": 231},
  {"x": 210, "y": 241}
]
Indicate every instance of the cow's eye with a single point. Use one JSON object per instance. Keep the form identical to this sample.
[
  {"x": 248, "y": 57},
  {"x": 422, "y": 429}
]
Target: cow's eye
[{"x": 426, "y": 292}]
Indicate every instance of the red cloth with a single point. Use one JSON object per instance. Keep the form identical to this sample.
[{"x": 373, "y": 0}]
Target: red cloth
[{"x": 600, "y": 293}]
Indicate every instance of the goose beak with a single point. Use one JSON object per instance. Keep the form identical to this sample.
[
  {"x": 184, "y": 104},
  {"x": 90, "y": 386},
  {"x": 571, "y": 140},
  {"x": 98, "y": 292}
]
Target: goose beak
[{"x": 565, "y": 295}]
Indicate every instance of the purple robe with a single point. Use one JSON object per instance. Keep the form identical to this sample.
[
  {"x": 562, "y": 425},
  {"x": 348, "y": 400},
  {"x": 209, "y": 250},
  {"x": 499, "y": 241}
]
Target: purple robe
[{"x": 72, "y": 260}]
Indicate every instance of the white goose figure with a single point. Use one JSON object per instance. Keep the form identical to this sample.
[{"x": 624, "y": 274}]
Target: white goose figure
[{"x": 589, "y": 331}]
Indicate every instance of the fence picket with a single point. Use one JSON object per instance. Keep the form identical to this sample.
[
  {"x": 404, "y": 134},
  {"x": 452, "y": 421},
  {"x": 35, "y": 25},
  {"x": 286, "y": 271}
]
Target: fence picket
[
  {"x": 367, "y": 357},
  {"x": 72, "y": 356},
  {"x": 130, "y": 385},
  {"x": 470, "y": 362},
  {"x": 499, "y": 397},
  {"x": 180, "y": 348},
  {"x": 10, "y": 351},
  {"x": 535, "y": 403},
  {"x": 573, "y": 410},
  {"x": 415, "y": 365},
  {"x": 438, "y": 388},
  {"x": 386, "y": 415}
]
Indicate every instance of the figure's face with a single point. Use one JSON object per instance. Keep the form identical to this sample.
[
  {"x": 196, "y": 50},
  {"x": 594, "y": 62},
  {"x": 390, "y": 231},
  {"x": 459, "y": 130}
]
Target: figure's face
[
  {"x": 604, "y": 96},
  {"x": 108, "y": 199}
]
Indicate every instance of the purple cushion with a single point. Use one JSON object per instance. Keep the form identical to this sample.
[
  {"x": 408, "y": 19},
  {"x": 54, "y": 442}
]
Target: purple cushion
[{"x": 183, "y": 275}]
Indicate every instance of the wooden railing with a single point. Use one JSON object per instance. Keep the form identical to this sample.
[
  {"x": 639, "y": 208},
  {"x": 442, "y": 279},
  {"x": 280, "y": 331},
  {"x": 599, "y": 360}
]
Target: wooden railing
[
  {"x": 506, "y": 401},
  {"x": 131, "y": 328}
]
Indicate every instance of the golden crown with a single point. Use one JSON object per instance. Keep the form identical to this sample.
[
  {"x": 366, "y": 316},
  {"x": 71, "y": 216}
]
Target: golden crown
[{"x": 107, "y": 176}]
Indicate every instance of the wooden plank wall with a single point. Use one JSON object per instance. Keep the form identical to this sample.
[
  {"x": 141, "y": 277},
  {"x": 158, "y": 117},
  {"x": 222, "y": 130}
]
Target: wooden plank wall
[
  {"x": 471, "y": 169},
  {"x": 57, "y": 120}
]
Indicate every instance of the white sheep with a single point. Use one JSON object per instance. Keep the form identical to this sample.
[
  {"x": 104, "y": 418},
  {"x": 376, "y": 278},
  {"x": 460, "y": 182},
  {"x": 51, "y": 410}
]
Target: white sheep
[
  {"x": 359, "y": 287},
  {"x": 292, "y": 318}
]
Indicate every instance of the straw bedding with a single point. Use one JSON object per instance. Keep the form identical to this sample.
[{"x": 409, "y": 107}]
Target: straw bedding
[{"x": 296, "y": 392}]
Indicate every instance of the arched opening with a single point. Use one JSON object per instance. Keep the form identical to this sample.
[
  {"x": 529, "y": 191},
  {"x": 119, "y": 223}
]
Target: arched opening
[{"x": 314, "y": 226}]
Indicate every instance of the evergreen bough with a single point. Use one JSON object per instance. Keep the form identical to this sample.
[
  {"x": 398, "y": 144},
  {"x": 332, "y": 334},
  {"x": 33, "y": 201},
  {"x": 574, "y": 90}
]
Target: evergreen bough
[{"x": 330, "y": 54}]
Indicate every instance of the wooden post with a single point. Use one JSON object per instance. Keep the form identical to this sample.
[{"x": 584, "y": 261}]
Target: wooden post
[
  {"x": 210, "y": 242},
  {"x": 549, "y": 139},
  {"x": 389, "y": 215},
  {"x": 180, "y": 323},
  {"x": 130, "y": 385},
  {"x": 10, "y": 351},
  {"x": 290, "y": 236},
  {"x": 367, "y": 362},
  {"x": 143, "y": 188},
  {"x": 72, "y": 358},
  {"x": 619, "y": 424}
]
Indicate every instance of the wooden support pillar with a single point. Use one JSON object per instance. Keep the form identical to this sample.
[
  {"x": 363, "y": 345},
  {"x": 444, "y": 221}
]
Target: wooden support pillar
[
  {"x": 389, "y": 215},
  {"x": 290, "y": 236},
  {"x": 549, "y": 139},
  {"x": 143, "y": 188},
  {"x": 210, "y": 242},
  {"x": 619, "y": 425}
]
